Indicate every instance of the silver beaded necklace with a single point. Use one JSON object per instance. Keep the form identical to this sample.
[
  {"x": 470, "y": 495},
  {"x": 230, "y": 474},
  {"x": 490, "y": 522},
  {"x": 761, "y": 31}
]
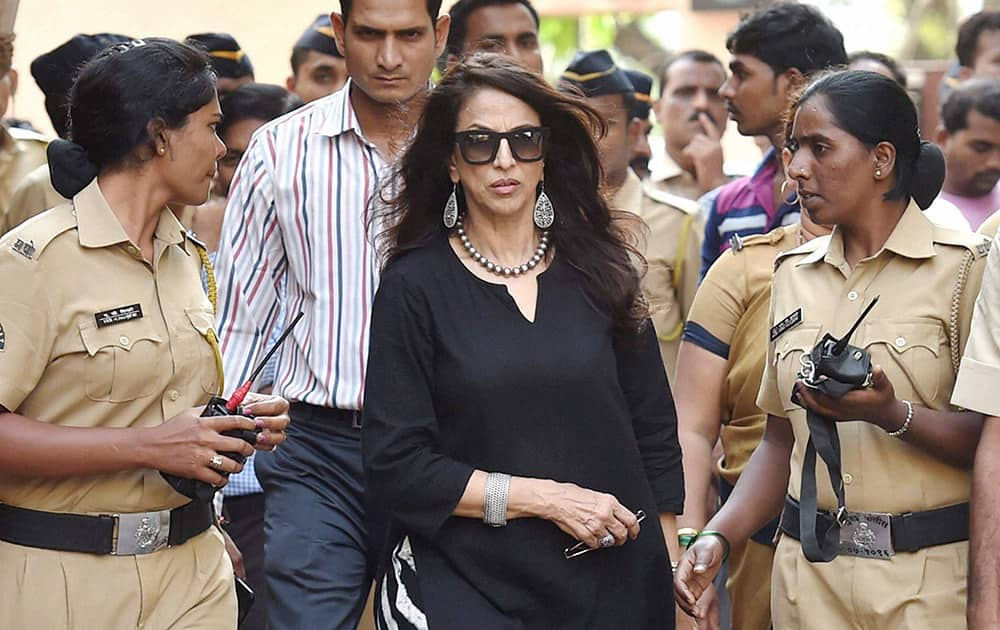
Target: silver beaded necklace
[{"x": 500, "y": 270}]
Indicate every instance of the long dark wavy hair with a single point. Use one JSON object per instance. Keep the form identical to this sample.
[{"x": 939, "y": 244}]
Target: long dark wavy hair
[{"x": 595, "y": 240}]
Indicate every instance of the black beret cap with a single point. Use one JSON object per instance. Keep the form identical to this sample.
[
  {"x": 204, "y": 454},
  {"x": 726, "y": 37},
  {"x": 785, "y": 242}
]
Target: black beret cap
[
  {"x": 319, "y": 37},
  {"x": 228, "y": 59},
  {"x": 642, "y": 83},
  {"x": 55, "y": 71},
  {"x": 596, "y": 74}
]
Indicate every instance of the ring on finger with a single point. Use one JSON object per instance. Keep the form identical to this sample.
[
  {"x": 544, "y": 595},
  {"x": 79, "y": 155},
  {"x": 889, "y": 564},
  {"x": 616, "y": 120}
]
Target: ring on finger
[
  {"x": 216, "y": 462},
  {"x": 607, "y": 541}
]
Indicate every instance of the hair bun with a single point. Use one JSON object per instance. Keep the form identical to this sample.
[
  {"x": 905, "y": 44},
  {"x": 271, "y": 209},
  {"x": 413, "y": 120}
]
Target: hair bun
[
  {"x": 69, "y": 167},
  {"x": 928, "y": 174}
]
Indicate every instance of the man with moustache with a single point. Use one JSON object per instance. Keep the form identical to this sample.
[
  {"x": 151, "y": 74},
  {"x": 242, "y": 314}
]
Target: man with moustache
[
  {"x": 295, "y": 232},
  {"x": 507, "y": 27},
  {"x": 969, "y": 136},
  {"x": 693, "y": 117},
  {"x": 670, "y": 243},
  {"x": 773, "y": 52},
  {"x": 642, "y": 104}
]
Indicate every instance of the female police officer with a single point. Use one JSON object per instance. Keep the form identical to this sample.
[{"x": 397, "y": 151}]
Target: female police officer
[
  {"x": 896, "y": 556},
  {"x": 106, "y": 344}
]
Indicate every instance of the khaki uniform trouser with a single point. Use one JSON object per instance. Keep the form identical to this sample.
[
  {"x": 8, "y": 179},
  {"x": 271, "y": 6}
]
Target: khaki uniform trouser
[
  {"x": 913, "y": 591},
  {"x": 181, "y": 588},
  {"x": 749, "y": 585}
]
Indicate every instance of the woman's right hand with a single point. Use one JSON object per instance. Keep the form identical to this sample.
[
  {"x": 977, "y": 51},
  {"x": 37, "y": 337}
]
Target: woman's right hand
[
  {"x": 695, "y": 572},
  {"x": 589, "y": 516},
  {"x": 185, "y": 445}
]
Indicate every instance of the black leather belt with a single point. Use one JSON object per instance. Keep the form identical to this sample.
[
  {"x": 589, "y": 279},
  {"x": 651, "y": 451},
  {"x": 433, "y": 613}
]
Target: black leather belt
[
  {"x": 303, "y": 413},
  {"x": 910, "y": 531},
  {"x": 106, "y": 534}
]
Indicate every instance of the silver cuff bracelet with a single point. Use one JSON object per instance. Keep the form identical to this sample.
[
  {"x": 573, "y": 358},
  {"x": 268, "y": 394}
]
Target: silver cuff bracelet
[{"x": 495, "y": 499}]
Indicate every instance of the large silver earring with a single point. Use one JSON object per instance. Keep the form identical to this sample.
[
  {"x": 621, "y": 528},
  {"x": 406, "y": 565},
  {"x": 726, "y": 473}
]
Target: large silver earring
[
  {"x": 791, "y": 202},
  {"x": 544, "y": 213},
  {"x": 451, "y": 208}
]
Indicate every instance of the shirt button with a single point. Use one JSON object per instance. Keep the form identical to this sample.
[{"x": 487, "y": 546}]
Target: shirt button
[
  {"x": 900, "y": 342},
  {"x": 123, "y": 340},
  {"x": 853, "y": 295},
  {"x": 848, "y": 478},
  {"x": 174, "y": 394}
]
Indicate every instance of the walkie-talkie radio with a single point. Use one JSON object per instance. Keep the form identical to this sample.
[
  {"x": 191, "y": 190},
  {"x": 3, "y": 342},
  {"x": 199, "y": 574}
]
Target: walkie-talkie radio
[
  {"x": 218, "y": 406},
  {"x": 845, "y": 367}
]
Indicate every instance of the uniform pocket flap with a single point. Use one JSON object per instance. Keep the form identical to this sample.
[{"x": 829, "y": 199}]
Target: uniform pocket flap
[
  {"x": 800, "y": 339},
  {"x": 903, "y": 335},
  {"x": 125, "y": 335}
]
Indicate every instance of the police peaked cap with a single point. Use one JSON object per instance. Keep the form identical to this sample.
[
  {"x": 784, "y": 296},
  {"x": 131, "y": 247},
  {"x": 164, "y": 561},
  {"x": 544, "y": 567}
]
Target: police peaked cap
[
  {"x": 228, "y": 59},
  {"x": 596, "y": 74},
  {"x": 319, "y": 37},
  {"x": 642, "y": 83}
]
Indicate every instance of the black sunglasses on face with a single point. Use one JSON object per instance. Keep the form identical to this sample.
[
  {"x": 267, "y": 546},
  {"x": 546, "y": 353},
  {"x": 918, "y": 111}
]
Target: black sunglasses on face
[{"x": 480, "y": 146}]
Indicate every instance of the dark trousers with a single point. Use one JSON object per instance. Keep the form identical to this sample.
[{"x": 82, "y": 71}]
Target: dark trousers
[
  {"x": 245, "y": 525},
  {"x": 316, "y": 561}
]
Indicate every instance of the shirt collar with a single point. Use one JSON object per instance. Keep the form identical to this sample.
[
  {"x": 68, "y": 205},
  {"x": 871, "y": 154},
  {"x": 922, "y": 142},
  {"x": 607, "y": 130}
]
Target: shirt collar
[
  {"x": 98, "y": 226},
  {"x": 339, "y": 113},
  {"x": 913, "y": 237}
]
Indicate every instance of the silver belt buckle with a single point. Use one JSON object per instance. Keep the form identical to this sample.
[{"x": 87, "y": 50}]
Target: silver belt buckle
[
  {"x": 141, "y": 533},
  {"x": 867, "y": 535}
]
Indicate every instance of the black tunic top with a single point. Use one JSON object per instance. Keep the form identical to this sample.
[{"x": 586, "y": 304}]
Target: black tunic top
[{"x": 458, "y": 379}]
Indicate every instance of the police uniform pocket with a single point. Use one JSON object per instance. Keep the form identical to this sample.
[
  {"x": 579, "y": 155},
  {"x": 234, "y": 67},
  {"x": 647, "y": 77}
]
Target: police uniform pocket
[
  {"x": 203, "y": 323},
  {"x": 788, "y": 348},
  {"x": 909, "y": 349},
  {"x": 126, "y": 360}
]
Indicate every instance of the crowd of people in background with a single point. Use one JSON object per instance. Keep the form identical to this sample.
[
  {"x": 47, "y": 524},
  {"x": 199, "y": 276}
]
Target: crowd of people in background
[{"x": 547, "y": 375}]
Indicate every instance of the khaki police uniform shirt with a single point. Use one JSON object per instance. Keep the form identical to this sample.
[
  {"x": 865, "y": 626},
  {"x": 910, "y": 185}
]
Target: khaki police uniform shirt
[
  {"x": 33, "y": 196},
  {"x": 671, "y": 178},
  {"x": 21, "y": 151},
  {"x": 672, "y": 247},
  {"x": 915, "y": 276},
  {"x": 732, "y": 305},
  {"x": 92, "y": 335},
  {"x": 991, "y": 225},
  {"x": 980, "y": 371}
]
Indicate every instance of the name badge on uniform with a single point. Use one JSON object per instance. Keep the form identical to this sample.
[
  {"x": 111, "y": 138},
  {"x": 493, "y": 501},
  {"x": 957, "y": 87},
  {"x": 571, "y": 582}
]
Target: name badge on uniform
[
  {"x": 786, "y": 324},
  {"x": 26, "y": 249},
  {"x": 867, "y": 535},
  {"x": 3, "y": 339},
  {"x": 118, "y": 315}
]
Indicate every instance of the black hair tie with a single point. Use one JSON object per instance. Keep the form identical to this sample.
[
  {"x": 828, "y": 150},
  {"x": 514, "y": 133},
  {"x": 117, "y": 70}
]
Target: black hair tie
[{"x": 69, "y": 167}]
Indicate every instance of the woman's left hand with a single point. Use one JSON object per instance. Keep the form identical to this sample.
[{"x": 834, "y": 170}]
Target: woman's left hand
[
  {"x": 271, "y": 414},
  {"x": 876, "y": 404}
]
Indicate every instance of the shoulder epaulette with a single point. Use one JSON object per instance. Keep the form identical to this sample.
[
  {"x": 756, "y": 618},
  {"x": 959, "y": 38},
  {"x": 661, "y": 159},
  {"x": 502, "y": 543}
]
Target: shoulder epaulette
[
  {"x": 191, "y": 236},
  {"x": 27, "y": 134},
  {"x": 979, "y": 244},
  {"x": 737, "y": 242},
  {"x": 684, "y": 204},
  {"x": 32, "y": 237}
]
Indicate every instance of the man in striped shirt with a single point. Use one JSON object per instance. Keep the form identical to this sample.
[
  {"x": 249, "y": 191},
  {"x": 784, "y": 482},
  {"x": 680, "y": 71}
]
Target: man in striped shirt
[{"x": 298, "y": 213}]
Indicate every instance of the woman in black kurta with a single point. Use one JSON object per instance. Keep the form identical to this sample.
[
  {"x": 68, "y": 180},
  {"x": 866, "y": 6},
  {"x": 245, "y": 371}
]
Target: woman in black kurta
[{"x": 460, "y": 380}]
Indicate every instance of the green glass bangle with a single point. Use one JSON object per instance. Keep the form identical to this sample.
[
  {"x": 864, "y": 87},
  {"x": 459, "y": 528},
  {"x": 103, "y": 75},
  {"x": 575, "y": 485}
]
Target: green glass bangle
[
  {"x": 685, "y": 540},
  {"x": 720, "y": 536}
]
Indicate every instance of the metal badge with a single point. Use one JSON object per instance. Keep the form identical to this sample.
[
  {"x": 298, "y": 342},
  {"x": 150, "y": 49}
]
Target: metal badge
[
  {"x": 142, "y": 533},
  {"x": 867, "y": 535},
  {"x": 26, "y": 249}
]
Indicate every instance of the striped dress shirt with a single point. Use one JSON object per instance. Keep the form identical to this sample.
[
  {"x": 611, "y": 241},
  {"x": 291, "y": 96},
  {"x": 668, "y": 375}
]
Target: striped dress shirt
[{"x": 298, "y": 211}]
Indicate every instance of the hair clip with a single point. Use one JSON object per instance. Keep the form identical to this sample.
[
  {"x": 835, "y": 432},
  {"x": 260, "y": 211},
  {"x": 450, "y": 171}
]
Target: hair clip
[{"x": 127, "y": 46}]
